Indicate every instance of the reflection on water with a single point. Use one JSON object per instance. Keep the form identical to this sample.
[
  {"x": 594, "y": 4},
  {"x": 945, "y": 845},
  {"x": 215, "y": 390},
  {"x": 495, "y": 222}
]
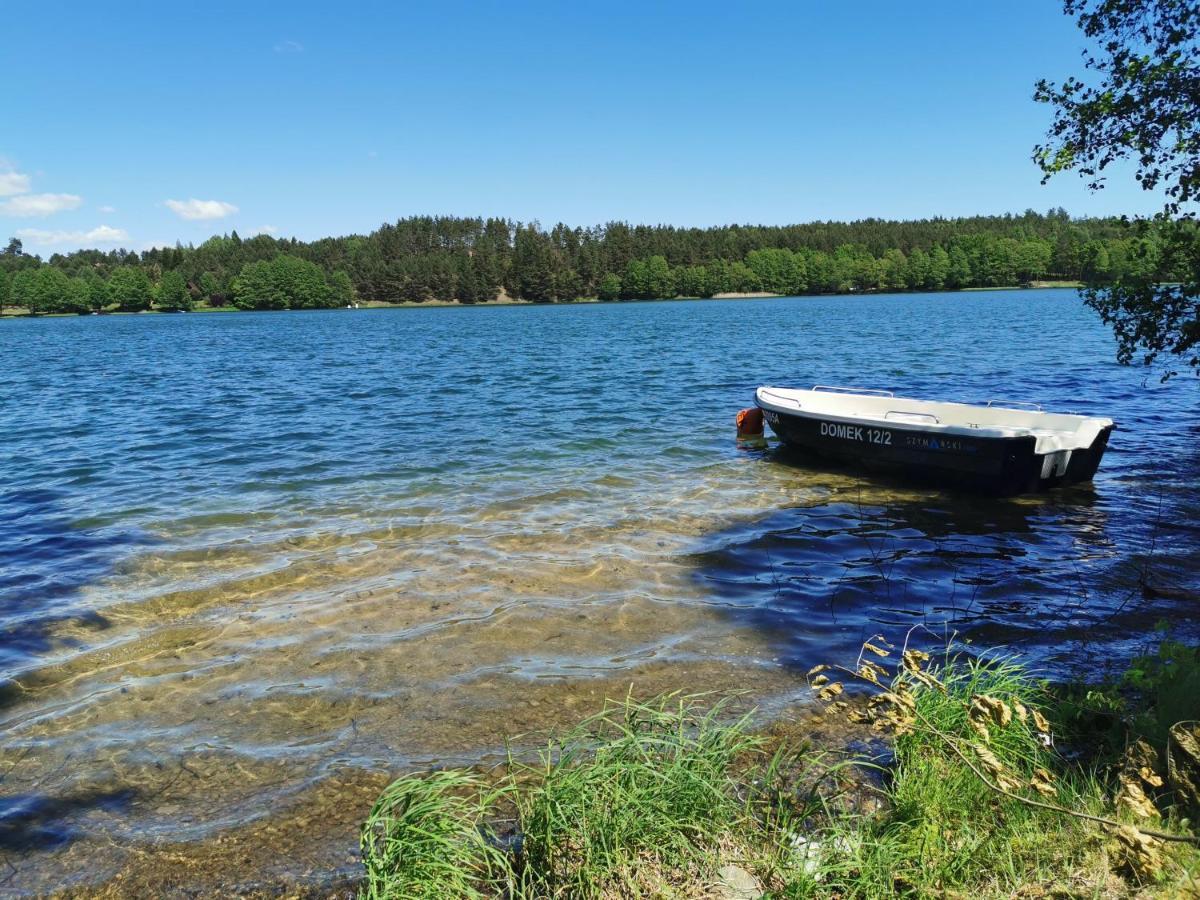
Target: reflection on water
[{"x": 254, "y": 563}]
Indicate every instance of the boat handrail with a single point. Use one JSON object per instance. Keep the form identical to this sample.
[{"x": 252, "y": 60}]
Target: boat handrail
[
  {"x": 911, "y": 415},
  {"x": 851, "y": 390},
  {"x": 1016, "y": 403}
]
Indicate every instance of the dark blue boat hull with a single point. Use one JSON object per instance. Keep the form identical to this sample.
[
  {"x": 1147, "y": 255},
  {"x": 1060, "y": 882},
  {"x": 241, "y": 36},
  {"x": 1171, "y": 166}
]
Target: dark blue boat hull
[{"x": 1007, "y": 465}]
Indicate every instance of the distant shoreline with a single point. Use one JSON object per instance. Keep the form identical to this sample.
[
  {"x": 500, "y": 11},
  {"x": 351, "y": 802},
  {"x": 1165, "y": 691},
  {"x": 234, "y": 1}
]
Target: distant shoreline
[{"x": 10, "y": 312}]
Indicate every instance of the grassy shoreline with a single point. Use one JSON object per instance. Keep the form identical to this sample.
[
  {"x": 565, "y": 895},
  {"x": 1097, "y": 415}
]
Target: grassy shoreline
[
  {"x": 673, "y": 797},
  {"x": 11, "y": 312}
]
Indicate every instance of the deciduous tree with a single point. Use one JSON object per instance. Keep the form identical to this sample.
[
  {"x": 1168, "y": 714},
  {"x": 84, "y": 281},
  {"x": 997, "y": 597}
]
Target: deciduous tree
[
  {"x": 610, "y": 287},
  {"x": 1139, "y": 102},
  {"x": 173, "y": 293},
  {"x": 130, "y": 289}
]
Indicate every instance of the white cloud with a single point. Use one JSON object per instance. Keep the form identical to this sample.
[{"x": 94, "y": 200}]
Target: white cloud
[
  {"x": 201, "y": 209},
  {"x": 39, "y": 204},
  {"x": 108, "y": 209},
  {"x": 101, "y": 234},
  {"x": 106, "y": 234},
  {"x": 289, "y": 47},
  {"x": 264, "y": 229},
  {"x": 13, "y": 183}
]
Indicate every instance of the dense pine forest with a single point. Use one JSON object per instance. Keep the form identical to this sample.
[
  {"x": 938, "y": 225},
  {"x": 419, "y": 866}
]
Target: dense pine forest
[{"x": 472, "y": 260}]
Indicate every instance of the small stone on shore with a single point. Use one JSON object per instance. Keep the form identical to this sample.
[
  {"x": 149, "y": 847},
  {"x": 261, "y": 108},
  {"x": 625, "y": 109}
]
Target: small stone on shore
[{"x": 735, "y": 883}]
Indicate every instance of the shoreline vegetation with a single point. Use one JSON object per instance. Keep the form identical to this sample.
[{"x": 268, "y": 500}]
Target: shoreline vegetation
[
  {"x": 979, "y": 780},
  {"x": 424, "y": 260},
  {"x": 16, "y": 312}
]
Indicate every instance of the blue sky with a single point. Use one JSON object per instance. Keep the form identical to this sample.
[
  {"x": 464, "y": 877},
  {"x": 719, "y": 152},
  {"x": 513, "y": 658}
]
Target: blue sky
[{"x": 141, "y": 124}]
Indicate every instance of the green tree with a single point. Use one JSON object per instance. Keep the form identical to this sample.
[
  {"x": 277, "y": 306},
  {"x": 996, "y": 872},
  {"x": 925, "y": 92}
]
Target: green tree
[
  {"x": 173, "y": 292},
  {"x": 660, "y": 281},
  {"x": 609, "y": 287},
  {"x": 1141, "y": 104},
  {"x": 894, "y": 270},
  {"x": 210, "y": 289},
  {"x": 822, "y": 273},
  {"x": 856, "y": 269},
  {"x": 636, "y": 282},
  {"x": 1033, "y": 260},
  {"x": 740, "y": 279},
  {"x": 23, "y": 290},
  {"x": 76, "y": 297},
  {"x": 939, "y": 269},
  {"x": 533, "y": 269},
  {"x": 916, "y": 275},
  {"x": 693, "y": 281},
  {"x": 568, "y": 285},
  {"x": 285, "y": 282},
  {"x": 54, "y": 290},
  {"x": 256, "y": 288},
  {"x": 341, "y": 288},
  {"x": 997, "y": 262},
  {"x": 958, "y": 269},
  {"x": 774, "y": 267},
  {"x": 5, "y": 288},
  {"x": 99, "y": 297},
  {"x": 779, "y": 270},
  {"x": 46, "y": 289},
  {"x": 1094, "y": 262},
  {"x": 130, "y": 289},
  {"x": 649, "y": 279},
  {"x": 1065, "y": 261}
]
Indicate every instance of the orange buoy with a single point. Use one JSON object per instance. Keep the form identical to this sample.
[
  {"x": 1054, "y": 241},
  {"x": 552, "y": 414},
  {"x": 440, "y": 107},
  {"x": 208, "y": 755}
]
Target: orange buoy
[{"x": 750, "y": 428}]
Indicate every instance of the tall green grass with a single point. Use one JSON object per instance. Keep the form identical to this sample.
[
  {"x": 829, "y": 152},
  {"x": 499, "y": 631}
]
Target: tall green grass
[
  {"x": 947, "y": 831},
  {"x": 652, "y": 799},
  {"x": 641, "y": 792},
  {"x": 425, "y": 838}
]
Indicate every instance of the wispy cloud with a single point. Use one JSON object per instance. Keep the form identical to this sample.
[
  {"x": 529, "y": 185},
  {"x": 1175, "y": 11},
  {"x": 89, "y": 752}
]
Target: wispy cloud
[
  {"x": 107, "y": 209},
  {"x": 13, "y": 183},
  {"x": 101, "y": 234},
  {"x": 201, "y": 209},
  {"x": 289, "y": 47},
  {"x": 264, "y": 229},
  {"x": 39, "y": 204}
]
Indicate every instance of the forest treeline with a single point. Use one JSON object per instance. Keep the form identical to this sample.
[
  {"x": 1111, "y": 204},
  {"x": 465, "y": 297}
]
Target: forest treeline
[{"x": 425, "y": 258}]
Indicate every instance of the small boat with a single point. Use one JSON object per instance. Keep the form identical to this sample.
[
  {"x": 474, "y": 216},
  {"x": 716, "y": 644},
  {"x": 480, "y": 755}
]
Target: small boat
[{"x": 1004, "y": 447}]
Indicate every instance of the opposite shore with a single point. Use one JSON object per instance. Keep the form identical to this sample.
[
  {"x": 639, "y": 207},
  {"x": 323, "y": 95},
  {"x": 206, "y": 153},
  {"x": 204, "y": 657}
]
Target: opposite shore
[
  {"x": 503, "y": 299},
  {"x": 424, "y": 260}
]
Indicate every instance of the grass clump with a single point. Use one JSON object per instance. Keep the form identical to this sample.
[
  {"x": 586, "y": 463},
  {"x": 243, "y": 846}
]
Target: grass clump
[
  {"x": 948, "y": 829},
  {"x": 983, "y": 802},
  {"x": 643, "y": 799},
  {"x": 636, "y": 794},
  {"x": 424, "y": 839}
]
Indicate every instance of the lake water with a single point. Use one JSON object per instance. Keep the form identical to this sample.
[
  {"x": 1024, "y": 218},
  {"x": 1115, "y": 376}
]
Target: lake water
[{"x": 251, "y": 564}]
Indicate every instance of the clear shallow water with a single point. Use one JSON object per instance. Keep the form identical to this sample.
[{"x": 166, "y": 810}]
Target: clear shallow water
[{"x": 247, "y": 557}]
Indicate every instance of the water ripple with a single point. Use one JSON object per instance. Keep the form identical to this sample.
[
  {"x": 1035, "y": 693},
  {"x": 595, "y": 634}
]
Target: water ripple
[{"x": 240, "y": 554}]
